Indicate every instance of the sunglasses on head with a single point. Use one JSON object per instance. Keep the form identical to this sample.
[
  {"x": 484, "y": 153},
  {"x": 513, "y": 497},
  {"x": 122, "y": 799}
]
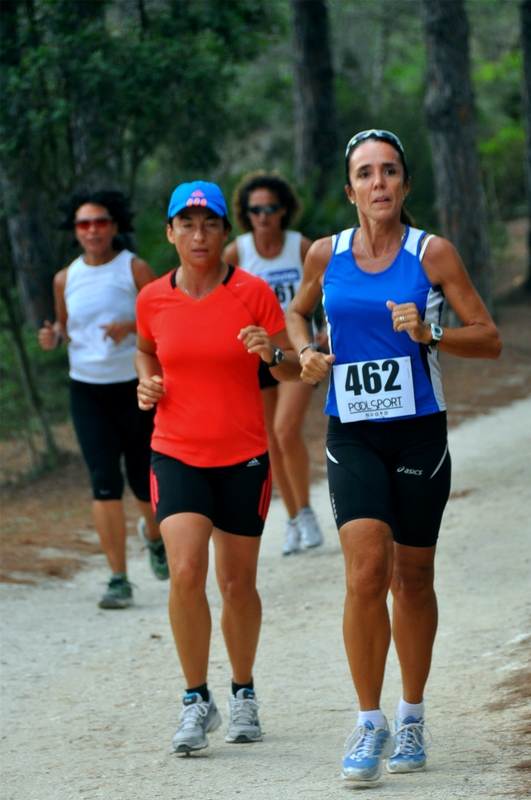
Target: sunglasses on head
[
  {"x": 271, "y": 208},
  {"x": 97, "y": 222},
  {"x": 373, "y": 133}
]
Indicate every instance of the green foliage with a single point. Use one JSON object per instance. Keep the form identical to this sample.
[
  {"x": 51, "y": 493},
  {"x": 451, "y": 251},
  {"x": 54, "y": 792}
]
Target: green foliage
[
  {"x": 153, "y": 245},
  {"x": 52, "y": 371},
  {"x": 147, "y": 95},
  {"x": 501, "y": 129},
  {"x": 90, "y": 89}
]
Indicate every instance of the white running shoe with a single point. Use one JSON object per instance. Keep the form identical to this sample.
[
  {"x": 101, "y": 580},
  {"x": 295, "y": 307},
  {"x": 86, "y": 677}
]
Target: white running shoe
[
  {"x": 292, "y": 541},
  {"x": 195, "y": 720},
  {"x": 311, "y": 534},
  {"x": 244, "y": 725}
]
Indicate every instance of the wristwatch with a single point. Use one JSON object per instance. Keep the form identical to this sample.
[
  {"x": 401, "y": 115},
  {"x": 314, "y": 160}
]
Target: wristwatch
[
  {"x": 436, "y": 336},
  {"x": 278, "y": 357}
]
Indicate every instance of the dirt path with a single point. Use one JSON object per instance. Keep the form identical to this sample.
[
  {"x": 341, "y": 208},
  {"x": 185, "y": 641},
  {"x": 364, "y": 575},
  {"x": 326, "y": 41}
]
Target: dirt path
[{"x": 91, "y": 698}]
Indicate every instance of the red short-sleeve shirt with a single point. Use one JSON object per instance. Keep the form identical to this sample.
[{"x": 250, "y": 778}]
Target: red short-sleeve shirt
[{"x": 212, "y": 413}]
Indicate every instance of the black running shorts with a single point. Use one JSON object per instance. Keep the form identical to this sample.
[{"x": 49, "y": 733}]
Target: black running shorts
[
  {"x": 109, "y": 425},
  {"x": 265, "y": 379},
  {"x": 397, "y": 472},
  {"x": 236, "y": 498}
]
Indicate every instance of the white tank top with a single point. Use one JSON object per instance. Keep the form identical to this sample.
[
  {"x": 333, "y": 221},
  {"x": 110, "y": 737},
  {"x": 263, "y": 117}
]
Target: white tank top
[
  {"x": 283, "y": 273},
  {"x": 97, "y": 296}
]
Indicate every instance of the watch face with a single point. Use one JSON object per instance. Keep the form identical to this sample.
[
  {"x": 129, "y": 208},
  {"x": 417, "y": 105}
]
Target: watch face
[{"x": 436, "y": 331}]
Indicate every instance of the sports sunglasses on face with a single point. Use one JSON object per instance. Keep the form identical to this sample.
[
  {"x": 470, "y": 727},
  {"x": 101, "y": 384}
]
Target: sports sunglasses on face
[
  {"x": 97, "y": 222},
  {"x": 271, "y": 208},
  {"x": 375, "y": 134}
]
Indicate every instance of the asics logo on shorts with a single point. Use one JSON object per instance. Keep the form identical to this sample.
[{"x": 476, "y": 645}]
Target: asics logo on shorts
[
  {"x": 253, "y": 463},
  {"x": 410, "y": 471}
]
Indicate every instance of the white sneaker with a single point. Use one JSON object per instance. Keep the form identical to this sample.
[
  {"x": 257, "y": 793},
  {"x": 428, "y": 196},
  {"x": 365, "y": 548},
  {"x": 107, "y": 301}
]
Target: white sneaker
[
  {"x": 195, "y": 720},
  {"x": 292, "y": 542},
  {"x": 309, "y": 528},
  {"x": 244, "y": 725}
]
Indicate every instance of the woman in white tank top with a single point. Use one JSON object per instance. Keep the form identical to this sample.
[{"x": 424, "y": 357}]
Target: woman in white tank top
[
  {"x": 265, "y": 205},
  {"x": 95, "y": 300}
]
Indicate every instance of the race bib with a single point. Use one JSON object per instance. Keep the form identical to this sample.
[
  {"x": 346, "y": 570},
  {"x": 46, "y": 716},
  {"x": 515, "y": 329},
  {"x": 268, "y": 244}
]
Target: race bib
[
  {"x": 374, "y": 389},
  {"x": 284, "y": 283}
]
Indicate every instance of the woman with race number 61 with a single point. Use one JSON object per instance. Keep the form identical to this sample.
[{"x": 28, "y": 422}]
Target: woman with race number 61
[{"x": 383, "y": 286}]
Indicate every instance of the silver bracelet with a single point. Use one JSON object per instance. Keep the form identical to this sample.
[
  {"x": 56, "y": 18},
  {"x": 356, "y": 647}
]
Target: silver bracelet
[{"x": 310, "y": 346}]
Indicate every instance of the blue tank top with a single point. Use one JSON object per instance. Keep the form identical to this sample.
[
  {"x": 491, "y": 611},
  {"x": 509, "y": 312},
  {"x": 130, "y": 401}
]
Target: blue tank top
[{"x": 360, "y": 328}]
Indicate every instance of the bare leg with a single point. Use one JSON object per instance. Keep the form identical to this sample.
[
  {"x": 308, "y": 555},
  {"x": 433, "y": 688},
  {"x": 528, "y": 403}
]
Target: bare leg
[
  {"x": 186, "y": 538},
  {"x": 293, "y": 401},
  {"x": 236, "y": 565},
  {"x": 109, "y": 520},
  {"x": 280, "y": 476},
  {"x": 414, "y": 616},
  {"x": 152, "y": 528},
  {"x": 368, "y": 550}
]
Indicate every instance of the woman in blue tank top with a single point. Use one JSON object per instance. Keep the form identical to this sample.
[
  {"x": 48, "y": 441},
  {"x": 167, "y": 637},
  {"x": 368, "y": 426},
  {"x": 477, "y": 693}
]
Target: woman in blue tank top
[{"x": 383, "y": 284}]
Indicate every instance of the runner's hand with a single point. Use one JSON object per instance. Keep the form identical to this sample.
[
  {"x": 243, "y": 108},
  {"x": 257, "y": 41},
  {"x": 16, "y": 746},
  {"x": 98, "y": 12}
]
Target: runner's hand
[
  {"x": 49, "y": 338},
  {"x": 406, "y": 318},
  {"x": 117, "y": 331},
  {"x": 257, "y": 341},
  {"x": 314, "y": 366},
  {"x": 149, "y": 391}
]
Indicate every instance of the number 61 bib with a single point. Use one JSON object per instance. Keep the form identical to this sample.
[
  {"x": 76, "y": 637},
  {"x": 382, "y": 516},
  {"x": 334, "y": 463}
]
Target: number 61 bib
[{"x": 374, "y": 389}]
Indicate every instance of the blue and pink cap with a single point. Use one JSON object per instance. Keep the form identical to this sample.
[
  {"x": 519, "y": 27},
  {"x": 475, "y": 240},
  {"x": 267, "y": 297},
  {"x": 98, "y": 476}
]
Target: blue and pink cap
[{"x": 197, "y": 193}]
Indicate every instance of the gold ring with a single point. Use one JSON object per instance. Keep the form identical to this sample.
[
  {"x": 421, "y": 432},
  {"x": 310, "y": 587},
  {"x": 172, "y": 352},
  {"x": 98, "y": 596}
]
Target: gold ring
[{"x": 402, "y": 319}]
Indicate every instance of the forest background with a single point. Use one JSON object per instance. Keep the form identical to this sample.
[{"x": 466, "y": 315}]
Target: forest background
[{"x": 144, "y": 94}]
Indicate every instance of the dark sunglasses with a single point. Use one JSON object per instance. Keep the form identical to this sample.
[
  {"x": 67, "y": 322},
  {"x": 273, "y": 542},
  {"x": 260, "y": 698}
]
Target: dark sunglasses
[
  {"x": 272, "y": 208},
  {"x": 100, "y": 223},
  {"x": 373, "y": 133}
]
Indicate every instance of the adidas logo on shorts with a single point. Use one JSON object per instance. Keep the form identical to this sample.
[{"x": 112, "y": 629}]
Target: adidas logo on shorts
[{"x": 253, "y": 463}]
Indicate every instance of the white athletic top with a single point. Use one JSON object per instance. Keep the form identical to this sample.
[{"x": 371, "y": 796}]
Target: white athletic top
[
  {"x": 97, "y": 296},
  {"x": 283, "y": 273}
]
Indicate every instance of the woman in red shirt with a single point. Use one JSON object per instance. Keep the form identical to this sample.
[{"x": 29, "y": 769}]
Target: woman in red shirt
[{"x": 202, "y": 330}]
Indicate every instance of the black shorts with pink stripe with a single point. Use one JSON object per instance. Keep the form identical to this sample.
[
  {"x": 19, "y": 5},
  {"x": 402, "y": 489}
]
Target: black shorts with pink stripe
[{"x": 236, "y": 498}]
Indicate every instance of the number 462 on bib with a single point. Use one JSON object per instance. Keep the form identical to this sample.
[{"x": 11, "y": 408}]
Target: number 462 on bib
[{"x": 380, "y": 389}]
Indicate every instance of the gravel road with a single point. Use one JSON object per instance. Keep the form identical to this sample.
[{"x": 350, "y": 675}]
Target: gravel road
[{"x": 90, "y": 699}]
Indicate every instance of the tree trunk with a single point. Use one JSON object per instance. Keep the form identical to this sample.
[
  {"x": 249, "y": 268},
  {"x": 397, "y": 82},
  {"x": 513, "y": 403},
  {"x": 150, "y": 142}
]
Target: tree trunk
[
  {"x": 314, "y": 103},
  {"x": 450, "y": 114},
  {"x": 525, "y": 18},
  {"x": 14, "y": 322},
  {"x": 384, "y": 26},
  {"x": 30, "y": 246}
]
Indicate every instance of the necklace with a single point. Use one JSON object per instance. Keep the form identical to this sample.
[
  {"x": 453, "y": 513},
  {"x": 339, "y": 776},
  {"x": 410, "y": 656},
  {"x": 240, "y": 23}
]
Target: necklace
[
  {"x": 209, "y": 289},
  {"x": 376, "y": 260}
]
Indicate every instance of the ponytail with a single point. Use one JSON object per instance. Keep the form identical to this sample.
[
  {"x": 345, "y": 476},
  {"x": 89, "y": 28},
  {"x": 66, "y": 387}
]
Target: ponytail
[{"x": 406, "y": 218}]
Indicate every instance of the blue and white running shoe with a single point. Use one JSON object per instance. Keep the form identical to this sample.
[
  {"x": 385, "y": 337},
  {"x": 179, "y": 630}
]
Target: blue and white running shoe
[
  {"x": 411, "y": 744},
  {"x": 365, "y": 749}
]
